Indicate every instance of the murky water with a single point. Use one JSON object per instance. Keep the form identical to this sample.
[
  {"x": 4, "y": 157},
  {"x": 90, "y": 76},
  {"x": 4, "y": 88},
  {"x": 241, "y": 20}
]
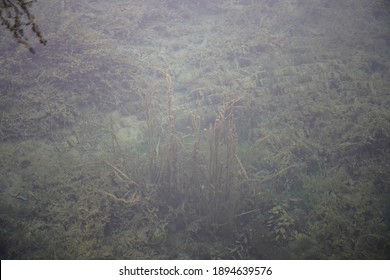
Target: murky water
[{"x": 197, "y": 130}]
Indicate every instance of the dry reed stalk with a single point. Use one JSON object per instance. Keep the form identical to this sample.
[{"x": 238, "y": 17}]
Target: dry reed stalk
[
  {"x": 230, "y": 152},
  {"x": 243, "y": 171},
  {"x": 114, "y": 139},
  {"x": 172, "y": 144},
  {"x": 121, "y": 174},
  {"x": 196, "y": 132},
  {"x": 214, "y": 138},
  {"x": 214, "y": 143},
  {"x": 152, "y": 124},
  {"x": 273, "y": 176},
  {"x": 135, "y": 198}
]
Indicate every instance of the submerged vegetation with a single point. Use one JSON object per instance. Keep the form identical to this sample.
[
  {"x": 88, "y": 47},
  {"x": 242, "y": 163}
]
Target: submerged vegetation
[{"x": 169, "y": 132}]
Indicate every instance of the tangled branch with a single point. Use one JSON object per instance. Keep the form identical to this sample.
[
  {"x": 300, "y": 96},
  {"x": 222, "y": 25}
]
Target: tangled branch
[{"x": 16, "y": 15}]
